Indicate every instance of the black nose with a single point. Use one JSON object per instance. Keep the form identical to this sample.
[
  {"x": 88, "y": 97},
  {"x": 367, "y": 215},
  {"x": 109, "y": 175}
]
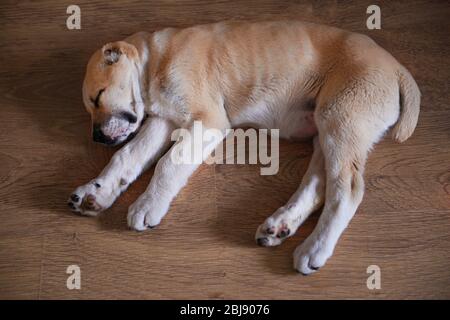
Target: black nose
[{"x": 98, "y": 135}]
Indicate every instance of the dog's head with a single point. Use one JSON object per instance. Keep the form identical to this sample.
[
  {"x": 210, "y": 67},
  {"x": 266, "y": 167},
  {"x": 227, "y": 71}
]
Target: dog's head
[{"x": 111, "y": 93}]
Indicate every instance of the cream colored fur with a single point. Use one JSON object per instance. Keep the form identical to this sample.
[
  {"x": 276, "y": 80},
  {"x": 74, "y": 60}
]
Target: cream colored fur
[{"x": 307, "y": 80}]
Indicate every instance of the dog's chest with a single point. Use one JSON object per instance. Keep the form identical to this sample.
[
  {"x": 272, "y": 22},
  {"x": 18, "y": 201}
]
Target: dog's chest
[{"x": 173, "y": 111}]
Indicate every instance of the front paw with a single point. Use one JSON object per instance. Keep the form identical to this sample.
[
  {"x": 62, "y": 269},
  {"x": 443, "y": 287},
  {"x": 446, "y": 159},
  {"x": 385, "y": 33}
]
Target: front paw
[
  {"x": 90, "y": 199},
  {"x": 311, "y": 255},
  {"x": 146, "y": 213}
]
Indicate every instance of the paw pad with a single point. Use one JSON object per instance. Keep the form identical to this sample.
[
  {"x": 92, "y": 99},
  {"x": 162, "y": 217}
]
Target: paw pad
[
  {"x": 283, "y": 233},
  {"x": 90, "y": 204},
  {"x": 272, "y": 232}
]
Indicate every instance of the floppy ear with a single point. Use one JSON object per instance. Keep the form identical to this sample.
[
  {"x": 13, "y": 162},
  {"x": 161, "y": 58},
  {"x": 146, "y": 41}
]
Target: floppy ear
[{"x": 114, "y": 50}]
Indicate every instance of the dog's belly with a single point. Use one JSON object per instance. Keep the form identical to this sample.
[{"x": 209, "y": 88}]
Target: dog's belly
[
  {"x": 298, "y": 125},
  {"x": 294, "y": 123}
]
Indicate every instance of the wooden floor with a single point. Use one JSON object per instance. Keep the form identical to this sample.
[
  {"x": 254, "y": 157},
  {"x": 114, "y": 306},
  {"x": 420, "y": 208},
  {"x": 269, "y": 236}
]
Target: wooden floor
[{"x": 205, "y": 247}]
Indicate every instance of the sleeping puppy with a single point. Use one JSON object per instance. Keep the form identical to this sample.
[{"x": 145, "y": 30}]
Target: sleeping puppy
[{"x": 309, "y": 81}]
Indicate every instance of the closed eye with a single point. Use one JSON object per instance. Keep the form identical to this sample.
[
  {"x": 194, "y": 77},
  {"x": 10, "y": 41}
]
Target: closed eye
[{"x": 96, "y": 101}]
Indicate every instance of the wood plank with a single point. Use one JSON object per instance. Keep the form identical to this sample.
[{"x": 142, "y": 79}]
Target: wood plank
[{"x": 205, "y": 247}]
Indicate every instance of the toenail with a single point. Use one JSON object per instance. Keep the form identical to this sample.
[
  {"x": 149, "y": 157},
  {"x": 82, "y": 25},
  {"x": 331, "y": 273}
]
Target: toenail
[
  {"x": 314, "y": 268},
  {"x": 97, "y": 185},
  {"x": 263, "y": 242},
  {"x": 75, "y": 198}
]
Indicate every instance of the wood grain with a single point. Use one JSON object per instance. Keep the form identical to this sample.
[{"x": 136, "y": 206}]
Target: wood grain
[{"x": 205, "y": 248}]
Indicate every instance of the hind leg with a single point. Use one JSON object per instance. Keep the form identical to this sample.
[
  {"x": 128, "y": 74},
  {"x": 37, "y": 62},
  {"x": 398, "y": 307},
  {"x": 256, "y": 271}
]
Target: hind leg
[
  {"x": 308, "y": 198},
  {"x": 348, "y": 128},
  {"x": 344, "y": 191}
]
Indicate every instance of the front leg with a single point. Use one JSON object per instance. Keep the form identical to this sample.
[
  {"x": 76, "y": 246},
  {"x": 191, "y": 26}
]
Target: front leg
[
  {"x": 171, "y": 175},
  {"x": 125, "y": 166}
]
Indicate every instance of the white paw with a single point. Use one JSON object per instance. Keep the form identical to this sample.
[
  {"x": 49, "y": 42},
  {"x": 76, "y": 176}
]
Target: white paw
[
  {"x": 145, "y": 213},
  {"x": 276, "y": 228},
  {"x": 311, "y": 255},
  {"x": 91, "y": 199}
]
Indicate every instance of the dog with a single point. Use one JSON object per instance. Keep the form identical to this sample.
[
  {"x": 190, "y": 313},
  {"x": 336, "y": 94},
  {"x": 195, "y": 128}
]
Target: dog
[{"x": 338, "y": 88}]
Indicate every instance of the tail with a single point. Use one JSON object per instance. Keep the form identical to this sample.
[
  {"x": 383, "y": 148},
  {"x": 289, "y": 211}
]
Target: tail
[{"x": 409, "y": 106}]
